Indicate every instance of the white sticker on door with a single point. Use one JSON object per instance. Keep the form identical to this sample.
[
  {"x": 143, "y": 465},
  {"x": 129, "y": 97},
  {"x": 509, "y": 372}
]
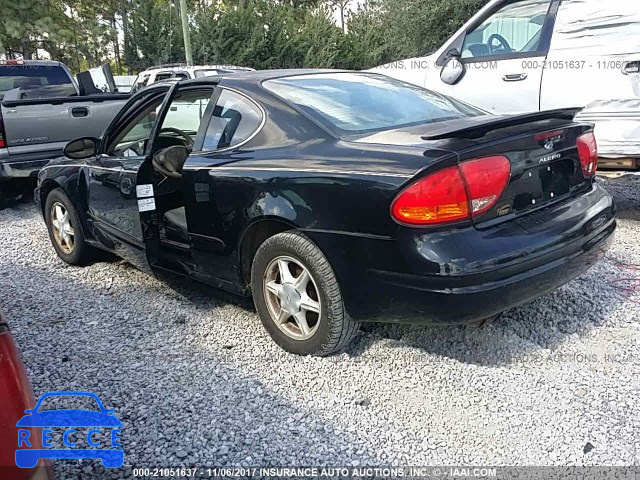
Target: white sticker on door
[
  {"x": 146, "y": 205},
  {"x": 144, "y": 191}
]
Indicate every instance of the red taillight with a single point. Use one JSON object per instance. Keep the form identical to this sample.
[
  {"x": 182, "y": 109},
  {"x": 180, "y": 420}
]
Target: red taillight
[
  {"x": 437, "y": 198},
  {"x": 588, "y": 153},
  {"x": 486, "y": 178},
  {"x": 453, "y": 194}
]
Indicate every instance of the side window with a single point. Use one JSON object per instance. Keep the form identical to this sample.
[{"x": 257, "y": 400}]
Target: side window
[
  {"x": 141, "y": 82},
  {"x": 163, "y": 76},
  {"x": 187, "y": 111},
  {"x": 235, "y": 118},
  {"x": 132, "y": 139},
  {"x": 515, "y": 28}
]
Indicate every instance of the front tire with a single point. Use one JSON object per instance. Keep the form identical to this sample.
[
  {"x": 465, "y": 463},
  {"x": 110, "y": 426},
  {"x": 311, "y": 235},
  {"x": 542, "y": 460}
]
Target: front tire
[
  {"x": 298, "y": 297},
  {"x": 64, "y": 228}
]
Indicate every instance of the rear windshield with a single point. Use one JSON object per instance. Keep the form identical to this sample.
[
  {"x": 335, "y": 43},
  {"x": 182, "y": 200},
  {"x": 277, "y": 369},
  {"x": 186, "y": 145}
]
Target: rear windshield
[
  {"x": 351, "y": 103},
  {"x": 41, "y": 81}
]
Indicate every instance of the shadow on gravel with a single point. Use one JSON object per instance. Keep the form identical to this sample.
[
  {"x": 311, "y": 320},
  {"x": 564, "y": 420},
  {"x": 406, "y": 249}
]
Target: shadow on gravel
[
  {"x": 181, "y": 401},
  {"x": 518, "y": 334},
  {"x": 626, "y": 193},
  {"x": 203, "y": 296},
  {"x": 18, "y": 210}
]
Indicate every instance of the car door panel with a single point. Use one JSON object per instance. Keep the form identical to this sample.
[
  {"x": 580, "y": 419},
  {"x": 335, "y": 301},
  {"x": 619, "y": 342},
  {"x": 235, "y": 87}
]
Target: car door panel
[
  {"x": 112, "y": 194},
  {"x": 517, "y": 79},
  {"x": 113, "y": 206}
]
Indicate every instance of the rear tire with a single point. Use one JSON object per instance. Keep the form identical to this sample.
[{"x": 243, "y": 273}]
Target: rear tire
[
  {"x": 65, "y": 231},
  {"x": 298, "y": 297}
]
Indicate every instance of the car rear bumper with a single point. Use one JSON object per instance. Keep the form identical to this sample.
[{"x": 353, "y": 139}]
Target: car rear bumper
[{"x": 461, "y": 276}]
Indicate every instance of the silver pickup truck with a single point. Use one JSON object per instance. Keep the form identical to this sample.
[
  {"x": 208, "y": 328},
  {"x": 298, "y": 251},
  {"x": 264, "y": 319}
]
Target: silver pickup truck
[{"x": 43, "y": 107}]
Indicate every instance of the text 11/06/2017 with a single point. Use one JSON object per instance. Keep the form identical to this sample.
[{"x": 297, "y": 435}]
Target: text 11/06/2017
[{"x": 314, "y": 472}]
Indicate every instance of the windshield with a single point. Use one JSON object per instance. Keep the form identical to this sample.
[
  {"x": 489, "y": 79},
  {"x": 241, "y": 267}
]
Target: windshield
[
  {"x": 35, "y": 78},
  {"x": 363, "y": 102}
]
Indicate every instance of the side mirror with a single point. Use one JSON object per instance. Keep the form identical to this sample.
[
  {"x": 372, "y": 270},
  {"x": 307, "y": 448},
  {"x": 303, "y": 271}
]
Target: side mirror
[
  {"x": 81, "y": 148},
  {"x": 453, "y": 70}
]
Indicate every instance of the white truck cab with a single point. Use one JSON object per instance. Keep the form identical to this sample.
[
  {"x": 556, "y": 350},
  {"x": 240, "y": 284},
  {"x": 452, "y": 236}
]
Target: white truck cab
[{"x": 518, "y": 56}]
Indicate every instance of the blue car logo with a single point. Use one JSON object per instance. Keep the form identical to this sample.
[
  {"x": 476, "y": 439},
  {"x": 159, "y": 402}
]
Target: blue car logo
[{"x": 109, "y": 451}]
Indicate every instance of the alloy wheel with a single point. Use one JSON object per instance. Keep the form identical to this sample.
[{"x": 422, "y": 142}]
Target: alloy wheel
[
  {"x": 292, "y": 298},
  {"x": 62, "y": 229}
]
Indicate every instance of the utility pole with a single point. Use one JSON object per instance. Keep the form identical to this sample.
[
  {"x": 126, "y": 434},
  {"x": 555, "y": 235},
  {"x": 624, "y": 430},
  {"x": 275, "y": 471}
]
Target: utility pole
[{"x": 185, "y": 32}]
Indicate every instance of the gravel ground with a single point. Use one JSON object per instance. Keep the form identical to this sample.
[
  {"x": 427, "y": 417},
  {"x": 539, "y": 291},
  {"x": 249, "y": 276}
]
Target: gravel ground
[{"x": 197, "y": 381}]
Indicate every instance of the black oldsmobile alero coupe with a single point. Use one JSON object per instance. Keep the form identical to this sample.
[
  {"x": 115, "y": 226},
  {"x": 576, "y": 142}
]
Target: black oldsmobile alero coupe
[{"x": 335, "y": 197}]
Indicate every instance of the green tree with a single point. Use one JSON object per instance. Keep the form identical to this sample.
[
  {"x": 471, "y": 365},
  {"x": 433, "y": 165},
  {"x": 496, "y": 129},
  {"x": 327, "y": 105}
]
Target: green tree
[
  {"x": 155, "y": 34},
  {"x": 417, "y": 27}
]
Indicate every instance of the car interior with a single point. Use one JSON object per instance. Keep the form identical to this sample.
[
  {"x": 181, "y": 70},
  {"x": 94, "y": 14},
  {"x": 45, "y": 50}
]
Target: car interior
[{"x": 503, "y": 34}]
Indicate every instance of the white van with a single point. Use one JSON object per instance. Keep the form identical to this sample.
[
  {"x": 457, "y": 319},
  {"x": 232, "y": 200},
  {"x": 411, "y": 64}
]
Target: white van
[{"x": 526, "y": 55}]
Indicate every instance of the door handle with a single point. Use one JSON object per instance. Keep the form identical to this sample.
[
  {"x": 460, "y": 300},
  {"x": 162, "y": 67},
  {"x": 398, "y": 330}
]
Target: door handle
[
  {"x": 80, "y": 112},
  {"x": 515, "y": 77},
  {"x": 630, "y": 68}
]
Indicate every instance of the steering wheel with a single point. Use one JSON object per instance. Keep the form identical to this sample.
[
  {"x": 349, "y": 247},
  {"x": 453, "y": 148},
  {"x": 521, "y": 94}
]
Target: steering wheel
[
  {"x": 179, "y": 132},
  {"x": 501, "y": 39},
  {"x": 169, "y": 161}
]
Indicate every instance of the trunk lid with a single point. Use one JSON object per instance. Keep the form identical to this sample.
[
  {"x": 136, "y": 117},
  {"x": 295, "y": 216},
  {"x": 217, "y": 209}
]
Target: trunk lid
[
  {"x": 541, "y": 147},
  {"x": 545, "y": 168}
]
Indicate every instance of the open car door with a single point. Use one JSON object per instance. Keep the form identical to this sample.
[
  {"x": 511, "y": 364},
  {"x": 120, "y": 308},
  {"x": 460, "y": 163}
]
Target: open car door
[
  {"x": 161, "y": 191},
  {"x": 119, "y": 175}
]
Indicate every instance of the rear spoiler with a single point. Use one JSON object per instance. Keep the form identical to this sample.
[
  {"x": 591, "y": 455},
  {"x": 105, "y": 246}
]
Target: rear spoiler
[{"x": 477, "y": 127}]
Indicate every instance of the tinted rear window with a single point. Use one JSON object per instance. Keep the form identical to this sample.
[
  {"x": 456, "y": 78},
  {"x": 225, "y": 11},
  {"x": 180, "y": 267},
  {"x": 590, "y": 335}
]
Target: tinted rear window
[
  {"x": 350, "y": 103},
  {"x": 36, "y": 79}
]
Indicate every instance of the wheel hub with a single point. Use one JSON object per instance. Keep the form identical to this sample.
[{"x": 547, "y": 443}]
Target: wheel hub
[
  {"x": 63, "y": 232},
  {"x": 290, "y": 299}
]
